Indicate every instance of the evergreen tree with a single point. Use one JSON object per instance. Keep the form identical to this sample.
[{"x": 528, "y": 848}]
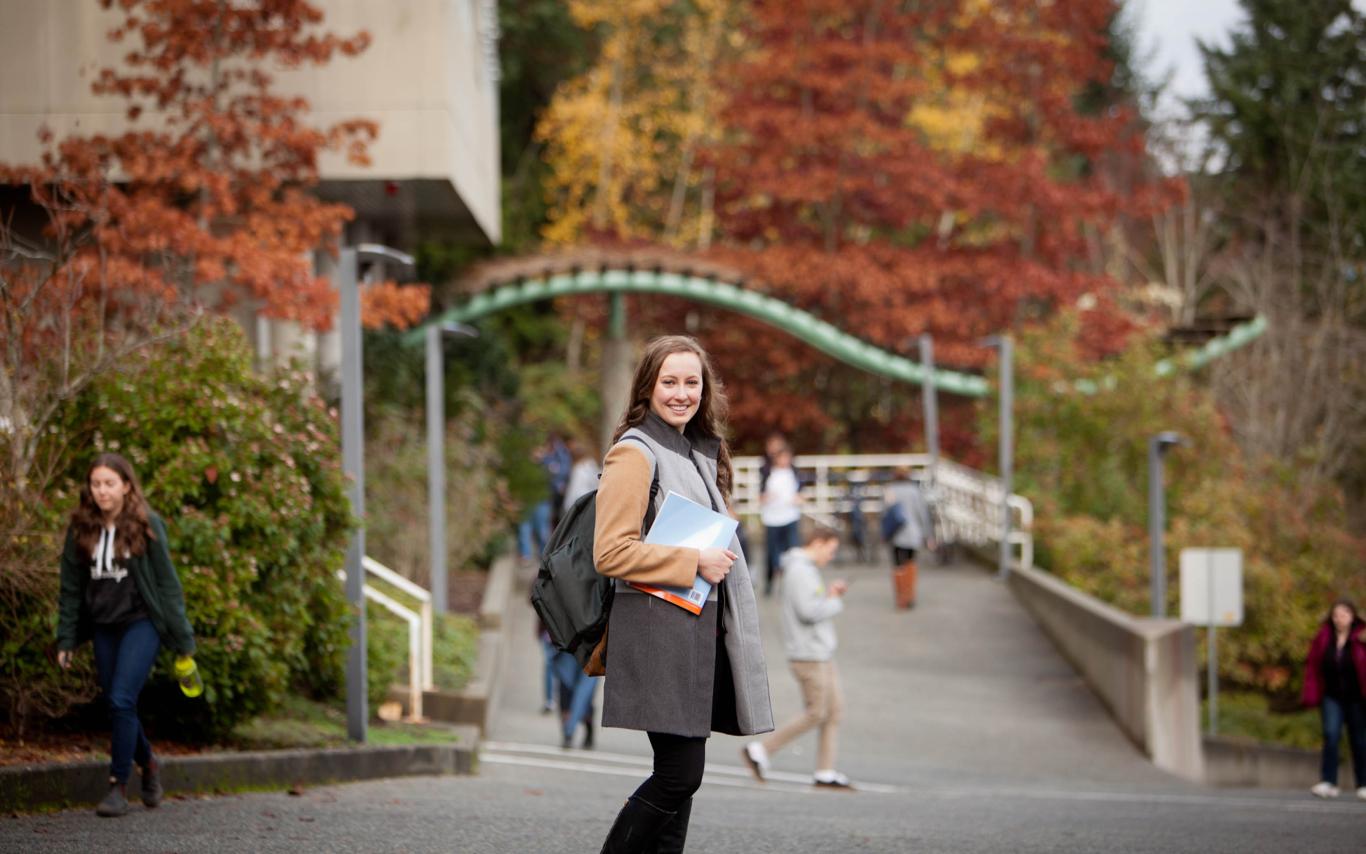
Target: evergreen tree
[{"x": 1285, "y": 119}]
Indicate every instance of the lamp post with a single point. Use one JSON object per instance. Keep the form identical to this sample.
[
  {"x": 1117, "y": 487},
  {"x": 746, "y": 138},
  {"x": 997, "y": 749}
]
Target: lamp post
[
  {"x": 930, "y": 395},
  {"x": 436, "y": 455},
  {"x": 1005, "y": 347},
  {"x": 353, "y": 462},
  {"x": 1157, "y": 523}
]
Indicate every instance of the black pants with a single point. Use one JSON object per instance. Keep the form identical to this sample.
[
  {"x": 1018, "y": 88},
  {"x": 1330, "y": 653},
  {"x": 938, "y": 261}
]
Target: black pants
[{"x": 679, "y": 761}]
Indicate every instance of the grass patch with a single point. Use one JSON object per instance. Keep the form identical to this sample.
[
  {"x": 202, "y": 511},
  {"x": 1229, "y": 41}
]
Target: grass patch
[
  {"x": 301, "y": 723},
  {"x": 1248, "y": 715},
  {"x": 455, "y": 646}
]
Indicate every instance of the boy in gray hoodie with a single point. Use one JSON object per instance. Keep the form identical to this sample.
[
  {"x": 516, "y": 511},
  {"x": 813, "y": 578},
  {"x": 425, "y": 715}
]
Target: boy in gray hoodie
[{"x": 809, "y": 608}]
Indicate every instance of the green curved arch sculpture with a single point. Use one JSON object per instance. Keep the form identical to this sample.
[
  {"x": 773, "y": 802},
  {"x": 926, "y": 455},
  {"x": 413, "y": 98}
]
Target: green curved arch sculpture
[
  {"x": 803, "y": 325},
  {"x": 788, "y": 318}
]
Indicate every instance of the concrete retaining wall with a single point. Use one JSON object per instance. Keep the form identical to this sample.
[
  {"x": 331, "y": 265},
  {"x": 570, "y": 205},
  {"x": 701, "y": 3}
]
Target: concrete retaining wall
[
  {"x": 1144, "y": 670},
  {"x": 1233, "y": 762}
]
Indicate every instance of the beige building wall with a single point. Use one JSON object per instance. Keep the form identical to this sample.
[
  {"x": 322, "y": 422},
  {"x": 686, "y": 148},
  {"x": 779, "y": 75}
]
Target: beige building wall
[{"x": 428, "y": 79}]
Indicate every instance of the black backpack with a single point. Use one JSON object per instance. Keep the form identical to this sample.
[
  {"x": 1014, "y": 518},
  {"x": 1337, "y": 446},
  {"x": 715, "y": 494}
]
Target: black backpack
[{"x": 571, "y": 598}]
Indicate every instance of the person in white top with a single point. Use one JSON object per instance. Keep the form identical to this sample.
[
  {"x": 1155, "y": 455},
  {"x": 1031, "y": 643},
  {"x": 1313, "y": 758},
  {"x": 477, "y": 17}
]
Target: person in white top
[{"x": 780, "y": 506}]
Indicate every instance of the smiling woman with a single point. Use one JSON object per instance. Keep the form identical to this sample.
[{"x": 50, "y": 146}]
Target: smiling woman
[{"x": 675, "y": 675}]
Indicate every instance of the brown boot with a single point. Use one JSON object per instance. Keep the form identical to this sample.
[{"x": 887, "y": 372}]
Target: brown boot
[
  {"x": 115, "y": 803},
  {"x": 151, "y": 784}
]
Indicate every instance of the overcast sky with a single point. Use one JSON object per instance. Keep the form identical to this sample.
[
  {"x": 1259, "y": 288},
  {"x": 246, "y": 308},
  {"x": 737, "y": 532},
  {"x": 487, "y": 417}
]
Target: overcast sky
[{"x": 1167, "y": 33}]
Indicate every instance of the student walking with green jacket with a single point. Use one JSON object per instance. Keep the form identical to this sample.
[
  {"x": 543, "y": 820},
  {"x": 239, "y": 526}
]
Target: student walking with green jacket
[{"x": 119, "y": 589}]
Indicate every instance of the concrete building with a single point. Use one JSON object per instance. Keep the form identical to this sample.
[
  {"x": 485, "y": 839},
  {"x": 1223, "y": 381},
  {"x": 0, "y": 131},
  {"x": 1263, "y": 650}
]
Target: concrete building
[{"x": 429, "y": 78}]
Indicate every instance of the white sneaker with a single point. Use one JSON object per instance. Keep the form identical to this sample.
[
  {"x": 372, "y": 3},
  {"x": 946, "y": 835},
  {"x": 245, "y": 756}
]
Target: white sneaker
[
  {"x": 756, "y": 757},
  {"x": 1361, "y": 793},
  {"x": 831, "y": 779},
  {"x": 1324, "y": 789}
]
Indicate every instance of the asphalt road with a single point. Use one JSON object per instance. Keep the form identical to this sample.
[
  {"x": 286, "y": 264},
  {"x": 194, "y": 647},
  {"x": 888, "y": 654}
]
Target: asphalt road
[{"x": 965, "y": 733}]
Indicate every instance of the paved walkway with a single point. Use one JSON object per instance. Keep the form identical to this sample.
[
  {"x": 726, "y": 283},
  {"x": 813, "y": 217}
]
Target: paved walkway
[{"x": 963, "y": 687}]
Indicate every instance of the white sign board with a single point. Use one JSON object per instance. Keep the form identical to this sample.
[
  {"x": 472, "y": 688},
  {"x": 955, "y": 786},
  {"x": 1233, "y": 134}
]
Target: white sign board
[{"x": 1212, "y": 587}]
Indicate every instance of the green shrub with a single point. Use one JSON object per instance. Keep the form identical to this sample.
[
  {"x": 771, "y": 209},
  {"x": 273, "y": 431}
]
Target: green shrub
[
  {"x": 479, "y": 511},
  {"x": 386, "y": 654},
  {"x": 245, "y": 469}
]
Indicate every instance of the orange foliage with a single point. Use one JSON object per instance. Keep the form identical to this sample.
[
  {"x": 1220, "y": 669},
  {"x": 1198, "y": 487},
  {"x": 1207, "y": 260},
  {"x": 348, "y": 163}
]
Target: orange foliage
[
  {"x": 209, "y": 205},
  {"x": 390, "y": 304},
  {"x": 831, "y": 197}
]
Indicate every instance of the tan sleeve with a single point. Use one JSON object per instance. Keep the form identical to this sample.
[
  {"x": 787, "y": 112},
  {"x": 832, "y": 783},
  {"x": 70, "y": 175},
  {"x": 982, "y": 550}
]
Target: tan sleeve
[{"x": 623, "y": 495}]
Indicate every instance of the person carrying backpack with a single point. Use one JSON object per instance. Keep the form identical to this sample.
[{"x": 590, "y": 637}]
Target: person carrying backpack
[{"x": 675, "y": 675}]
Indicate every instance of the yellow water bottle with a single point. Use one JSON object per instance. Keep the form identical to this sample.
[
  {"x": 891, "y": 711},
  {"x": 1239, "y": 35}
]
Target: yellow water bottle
[{"x": 191, "y": 684}]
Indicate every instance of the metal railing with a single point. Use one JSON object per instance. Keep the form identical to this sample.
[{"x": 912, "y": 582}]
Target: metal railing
[
  {"x": 966, "y": 503},
  {"x": 419, "y": 627}
]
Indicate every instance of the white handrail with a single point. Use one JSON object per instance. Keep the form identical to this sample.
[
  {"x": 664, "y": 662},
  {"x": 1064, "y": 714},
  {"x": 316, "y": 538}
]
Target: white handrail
[
  {"x": 423, "y": 596},
  {"x": 414, "y": 648},
  {"x": 967, "y": 503},
  {"x": 419, "y": 628}
]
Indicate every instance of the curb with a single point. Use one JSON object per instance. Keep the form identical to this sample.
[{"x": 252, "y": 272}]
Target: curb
[{"x": 31, "y": 787}]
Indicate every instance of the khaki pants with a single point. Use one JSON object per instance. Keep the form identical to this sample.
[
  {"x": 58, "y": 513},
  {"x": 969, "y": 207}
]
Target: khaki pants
[{"x": 824, "y": 701}]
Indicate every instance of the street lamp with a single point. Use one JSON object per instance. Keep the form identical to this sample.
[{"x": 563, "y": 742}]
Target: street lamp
[
  {"x": 1157, "y": 560},
  {"x": 930, "y": 396},
  {"x": 353, "y": 462},
  {"x": 1003, "y": 344},
  {"x": 436, "y": 454}
]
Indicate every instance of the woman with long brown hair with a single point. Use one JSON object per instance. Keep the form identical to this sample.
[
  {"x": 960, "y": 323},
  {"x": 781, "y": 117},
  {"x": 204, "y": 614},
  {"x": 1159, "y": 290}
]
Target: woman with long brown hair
[
  {"x": 120, "y": 590},
  {"x": 675, "y": 675}
]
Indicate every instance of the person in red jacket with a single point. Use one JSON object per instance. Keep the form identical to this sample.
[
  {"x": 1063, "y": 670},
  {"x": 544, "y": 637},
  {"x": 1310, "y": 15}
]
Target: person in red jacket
[{"x": 1335, "y": 680}]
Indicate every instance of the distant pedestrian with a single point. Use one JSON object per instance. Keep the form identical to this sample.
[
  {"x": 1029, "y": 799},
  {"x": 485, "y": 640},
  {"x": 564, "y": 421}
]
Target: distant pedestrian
[
  {"x": 576, "y": 699},
  {"x": 533, "y": 531},
  {"x": 914, "y": 535},
  {"x": 583, "y": 473},
  {"x": 119, "y": 589},
  {"x": 809, "y": 609},
  {"x": 676, "y": 675},
  {"x": 1335, "y": 680},
  {"x": 557, "y": 460},
  {"x": 780, "y": 507}
]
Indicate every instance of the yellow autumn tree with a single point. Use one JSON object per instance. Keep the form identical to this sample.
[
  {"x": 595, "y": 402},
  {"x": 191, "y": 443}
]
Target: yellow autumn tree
[{"x": 623, "y": 139}]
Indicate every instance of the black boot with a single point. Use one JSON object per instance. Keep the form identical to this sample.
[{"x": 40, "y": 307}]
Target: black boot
[
  {"x": 675, "y": 833},
  {"x": 636, "y": 828}
]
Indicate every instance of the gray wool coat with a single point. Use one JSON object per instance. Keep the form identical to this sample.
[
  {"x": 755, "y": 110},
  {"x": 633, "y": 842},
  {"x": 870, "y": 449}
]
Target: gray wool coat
[{"x": 668, "y": 670}]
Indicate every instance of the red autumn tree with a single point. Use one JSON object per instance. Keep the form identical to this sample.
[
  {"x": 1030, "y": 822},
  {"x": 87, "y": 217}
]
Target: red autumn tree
[
  {"x": 203, "y": 203},
  {"x": 836, "y": 197}
]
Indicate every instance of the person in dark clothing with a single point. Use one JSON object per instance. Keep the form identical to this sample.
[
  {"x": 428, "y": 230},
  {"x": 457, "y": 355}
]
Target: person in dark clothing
[
  {"x": 119, "y": 589},
  {"x": 1335, "y": 680}
]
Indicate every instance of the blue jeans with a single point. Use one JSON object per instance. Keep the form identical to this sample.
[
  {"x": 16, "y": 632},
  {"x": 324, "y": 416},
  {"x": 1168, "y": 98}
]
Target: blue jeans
[
  {"x": 535, "y": 526},
  {"x": 123, "y": 658},
  {"x": 581, "y": 690},
  {"x": 548, "y": 652},
  {"x": 1335, "y": 714},
  {"x": 777, "y": 540}
]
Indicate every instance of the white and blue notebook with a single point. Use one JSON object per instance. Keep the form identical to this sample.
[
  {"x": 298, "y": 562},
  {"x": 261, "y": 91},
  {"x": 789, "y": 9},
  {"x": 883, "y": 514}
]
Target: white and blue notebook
[{"x": 684, "y": 522}]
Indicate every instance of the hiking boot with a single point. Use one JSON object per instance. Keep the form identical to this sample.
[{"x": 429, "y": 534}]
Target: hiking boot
[
  {"x": 115, "y": 803},
  {"x": 151, "y": 784},
  {"x": 1324, "y": 789}
]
